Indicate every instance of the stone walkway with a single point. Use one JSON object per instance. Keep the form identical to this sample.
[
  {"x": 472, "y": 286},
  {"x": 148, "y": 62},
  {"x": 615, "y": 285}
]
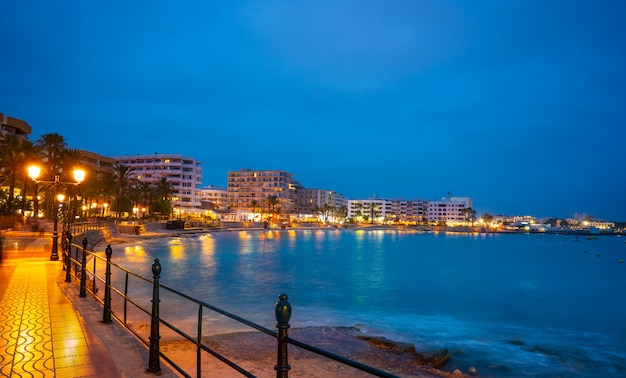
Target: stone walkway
[{"x": 41, "y": 334}]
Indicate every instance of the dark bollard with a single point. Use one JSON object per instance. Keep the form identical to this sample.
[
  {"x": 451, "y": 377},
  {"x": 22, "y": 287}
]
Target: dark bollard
[
  {"x": 106, "y": 316},
  {"x": 83, "y": 270},
  {"x": 154, "y": 364},
  {"x": 282, "y": 311},
  {"x": 68, "y": 252}
]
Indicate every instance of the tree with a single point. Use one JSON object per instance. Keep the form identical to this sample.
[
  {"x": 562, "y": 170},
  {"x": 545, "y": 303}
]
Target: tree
[
  {"x": 469, "y": 214},
  {"x": 487, "y": 218},
  {"x": 12, "y": 156},
  {"x": 163, "y": 188},
  {"x": 122, "y": 174},
  {"x": 51, "y": 147},
  {"x": 272, "y": 201}
]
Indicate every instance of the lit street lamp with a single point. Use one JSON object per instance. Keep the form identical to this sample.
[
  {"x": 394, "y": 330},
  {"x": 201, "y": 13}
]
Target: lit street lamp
[{"x": 79, "y": 175}]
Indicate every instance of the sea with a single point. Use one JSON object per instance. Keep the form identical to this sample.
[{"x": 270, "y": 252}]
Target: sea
[{"x": 509, "y": 305}]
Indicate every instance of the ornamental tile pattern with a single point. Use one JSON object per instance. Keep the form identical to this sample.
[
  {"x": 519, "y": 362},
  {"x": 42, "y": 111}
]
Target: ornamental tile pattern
[{"x": 41, "y": 334}]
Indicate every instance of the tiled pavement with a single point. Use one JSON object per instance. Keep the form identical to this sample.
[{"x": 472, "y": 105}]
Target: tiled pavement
[{"x": 41, "y": 334}]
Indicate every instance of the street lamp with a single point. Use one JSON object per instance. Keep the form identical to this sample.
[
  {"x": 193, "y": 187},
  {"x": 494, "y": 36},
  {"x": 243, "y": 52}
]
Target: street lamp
[{"x": 79, "y": 175}]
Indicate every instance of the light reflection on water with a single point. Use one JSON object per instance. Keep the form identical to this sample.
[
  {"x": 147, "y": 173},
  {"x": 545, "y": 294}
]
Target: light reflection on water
[{"x": 517, "y": 300}]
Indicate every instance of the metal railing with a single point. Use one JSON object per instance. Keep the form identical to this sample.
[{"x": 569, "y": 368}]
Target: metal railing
[
  {"x": 91, "y": 224},
  {"x": 98, "y": 271}
]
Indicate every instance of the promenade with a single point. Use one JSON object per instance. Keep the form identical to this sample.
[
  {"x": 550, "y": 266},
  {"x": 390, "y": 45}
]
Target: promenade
[{"x": 44, "y": 334}]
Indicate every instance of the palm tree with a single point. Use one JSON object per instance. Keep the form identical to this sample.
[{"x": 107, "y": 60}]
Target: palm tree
[
  {"x": 164, "y": 191},
  {"x": 470, "y": 215},
  {"x": 51, "y": 147},
  {"x": 12, "y": 156},
  {"x": 122, "y": 177},
  {"x": 343, "y": 211},
  {"x": 272, "y": 201},
  {"x": 146, "y": 190},
  {"x": 163, "y": 188}
]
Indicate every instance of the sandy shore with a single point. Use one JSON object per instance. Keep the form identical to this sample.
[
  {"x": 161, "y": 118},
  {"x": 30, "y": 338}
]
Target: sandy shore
[{"x": 256, "y": 352}]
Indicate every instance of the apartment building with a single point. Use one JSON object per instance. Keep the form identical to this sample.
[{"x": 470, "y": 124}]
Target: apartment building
[
  {"x": 98, "y": 164},
  {"x": 449, "y": 209},
  {"x": 246, "y": 185},
  {"x": 410, "y": 211},
  {"x": 375, "y": 209},
  {"x": 309, "y": 200},
  {"x": 213, "y": 198},
  {"x": 10, "y": 125},
  {"x": 183, "y": 173}
]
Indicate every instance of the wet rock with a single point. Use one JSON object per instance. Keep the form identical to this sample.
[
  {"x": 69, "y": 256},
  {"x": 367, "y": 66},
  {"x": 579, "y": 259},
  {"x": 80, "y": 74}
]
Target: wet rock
[
  {"x": 472, "y": 370},
  {"x": 384, "y": 343},
  {"x": 457, "y": 372},
  {"x": 436, "y": 359}
]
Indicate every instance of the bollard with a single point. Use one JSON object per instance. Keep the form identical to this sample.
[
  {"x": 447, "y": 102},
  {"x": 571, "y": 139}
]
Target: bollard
[
  {"x": 282, "y": 311},
  {"x": 154, "y": 365},
  {"x": 68, "y": 260},
  {"x": 106, "y": 316},
  {"x": 83, "y": 270}
]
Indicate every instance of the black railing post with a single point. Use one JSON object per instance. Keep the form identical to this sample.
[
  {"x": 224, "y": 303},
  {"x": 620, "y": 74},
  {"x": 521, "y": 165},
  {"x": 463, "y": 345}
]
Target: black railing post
[
  {"x": 154, "y": 364},
  {"x": 76, "y": 264},
  {"x": 83, "y": 270},
  {"x": 64, "y": 247},
  {"x": 68, "y": 258},
  {"x": 282, "y": 311},
  {"x": 106, "y": 316}
]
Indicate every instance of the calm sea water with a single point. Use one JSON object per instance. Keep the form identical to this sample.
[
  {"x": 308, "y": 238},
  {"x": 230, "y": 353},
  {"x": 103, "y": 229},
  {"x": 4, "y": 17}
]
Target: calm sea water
[{"x": 509, "y": 304}]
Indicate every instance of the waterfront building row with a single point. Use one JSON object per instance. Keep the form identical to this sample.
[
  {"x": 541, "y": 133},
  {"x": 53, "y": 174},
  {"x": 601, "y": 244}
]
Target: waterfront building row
[
  {"x": 449, "y": 210},
  {"x": 248, "y": 190}
]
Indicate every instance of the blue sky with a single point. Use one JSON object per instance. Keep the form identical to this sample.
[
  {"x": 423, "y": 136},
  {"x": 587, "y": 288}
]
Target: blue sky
[{"x": 518, "y": 104}]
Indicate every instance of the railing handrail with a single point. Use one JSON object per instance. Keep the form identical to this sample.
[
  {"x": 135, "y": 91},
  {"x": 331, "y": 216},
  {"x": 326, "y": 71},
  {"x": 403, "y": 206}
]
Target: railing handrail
[{"x": 282, "y": 367}]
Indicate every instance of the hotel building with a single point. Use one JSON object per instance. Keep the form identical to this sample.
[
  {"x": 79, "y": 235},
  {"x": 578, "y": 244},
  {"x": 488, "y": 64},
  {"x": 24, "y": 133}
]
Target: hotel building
[
  {"x": 213, "y": 198},
  {"x": 10, "y": 125},
  {"x": 309, "y": 200},
  {"x": 182, "y": 172},
  {"x": 246, "y": 185},
  {"x": 449, "y": 209}
]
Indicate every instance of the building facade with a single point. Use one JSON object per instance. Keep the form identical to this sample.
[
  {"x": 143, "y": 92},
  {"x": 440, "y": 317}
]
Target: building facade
[
  {"x": 213, "y": 198},
  {"x": 10, "y": 125},
  {"x": 246, "y": 185},
  {"x": 449, "y": 210},
  {"x": 97, "y": 164},
  {"x": 310, "y": 200},
  {"x": 183, "y": 173},
  {"x": 374, "y": 209}
]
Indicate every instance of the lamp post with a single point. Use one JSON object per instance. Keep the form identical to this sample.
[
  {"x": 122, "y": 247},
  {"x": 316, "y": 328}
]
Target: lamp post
[{"x": 79, "y": 175}]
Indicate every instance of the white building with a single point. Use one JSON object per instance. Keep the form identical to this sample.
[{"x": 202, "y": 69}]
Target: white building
[
  {"x": 182, "y": 172},
  {"x": 213, "y": 198},
  {"x": 373, "y": 209},
  {"x": 384, "y": 210},
  {"x": 449, "y": 210}
]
